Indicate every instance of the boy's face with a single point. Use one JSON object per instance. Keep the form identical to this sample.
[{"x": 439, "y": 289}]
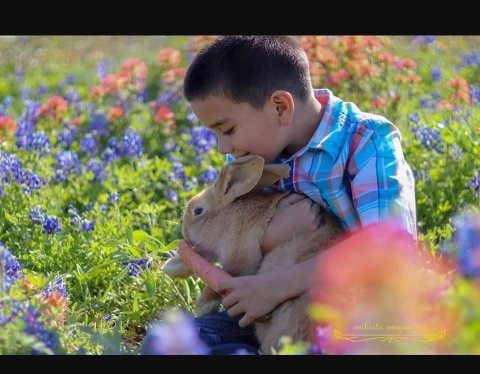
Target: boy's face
[{"x": 242, "y": 129}]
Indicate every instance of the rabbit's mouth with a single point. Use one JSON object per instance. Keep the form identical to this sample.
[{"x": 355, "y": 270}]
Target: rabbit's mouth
[{"x": 208, "y": 255}]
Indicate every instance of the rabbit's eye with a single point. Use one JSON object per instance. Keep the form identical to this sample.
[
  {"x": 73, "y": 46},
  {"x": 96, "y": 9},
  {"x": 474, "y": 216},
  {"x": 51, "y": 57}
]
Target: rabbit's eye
[{"x": 198, "y": 211}]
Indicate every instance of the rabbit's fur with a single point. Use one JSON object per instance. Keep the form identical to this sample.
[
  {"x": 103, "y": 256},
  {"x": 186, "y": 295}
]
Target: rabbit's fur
[{"x": 226, "y": 222}]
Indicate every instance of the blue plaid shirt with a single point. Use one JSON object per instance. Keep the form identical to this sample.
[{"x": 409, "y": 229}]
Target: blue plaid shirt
[{"x": 354, "y": 167}]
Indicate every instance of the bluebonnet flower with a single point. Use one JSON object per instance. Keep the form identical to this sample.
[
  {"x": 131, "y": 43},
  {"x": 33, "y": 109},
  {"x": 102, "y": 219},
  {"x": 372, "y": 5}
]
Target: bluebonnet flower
[
  {"x": 98, "y": 170},
  {"x": 70, "y": 79},
  {"x": 172, "y": 195},
  {"x": 39, "y": 141},
  {"x": 192, "y": 117},
  {"x": 176, "y": 334},
  {"x": 132, "y": 144},
  {"x": 87, "y": 225},
  {"x": 71, "y": 209},
  {"x": 198, "y": 161},
  {"x": 37, "y": 215},
  {"x": 178, "y": 171},
  {"x": 190, "y": 184},
  {"x": 202, "y": 139},
  {"x": 88, "y": 144},
  {"x": 418, "y": 175},
  {"x": 66, "y": 136},
  {"x": 208, "y": 175},
  {"x": 413, "y": 117},
  {"x": 474, "y": 183},
  {"x": 57, "y": 285},
  {"x": 34, "y": 326},
  {"x": 467, "y": 238},
  {"x": 12, "y": 269},
  {"x": 456, "y": 152},
  {"x": 436, "y": 74},
  {"x": 472, "y": 58},
  {"x": 20, "y": 74},
  {"x": 424, "y": 39},
  {"x": 66, "y": 163},
  {"x": 136, "y": 266},
  {"x": 102, "y": 70},
  {"x": 11, "y": 171},
  {"x": 475, "y": 93},
  {"x": 51, "y": 225},
  {"x": 430, "y": 138},
  {"x": 7, "y": 102},
  {"x": 168, "y": 98},
  {"x": 169, "y": 146},
  {"x": 113, "y": 198},
  {"x": 25, "y": 92},
  {"x": 427, "y": 102},
  {"x": 99, "y": 124},
  {"x": 75, "y": 220},
  {"x": 42, "y": 90},
  {"x": 29, "y": 181}
]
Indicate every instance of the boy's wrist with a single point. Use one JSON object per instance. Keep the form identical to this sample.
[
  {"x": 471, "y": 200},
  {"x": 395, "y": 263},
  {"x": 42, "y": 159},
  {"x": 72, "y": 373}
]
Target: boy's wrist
[{"x": 297, "y": 279}]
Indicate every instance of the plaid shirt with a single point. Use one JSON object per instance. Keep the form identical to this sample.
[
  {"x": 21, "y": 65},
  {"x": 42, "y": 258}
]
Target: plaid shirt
[{"x": 354, "y": 167}]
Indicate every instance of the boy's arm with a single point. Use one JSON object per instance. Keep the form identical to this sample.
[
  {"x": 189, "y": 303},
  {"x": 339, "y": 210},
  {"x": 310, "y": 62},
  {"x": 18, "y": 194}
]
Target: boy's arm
[{"x": 382, "y": 183}]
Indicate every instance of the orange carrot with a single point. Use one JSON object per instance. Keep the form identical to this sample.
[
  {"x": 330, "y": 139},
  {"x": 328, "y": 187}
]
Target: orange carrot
[{"x": 207, "y": 272}]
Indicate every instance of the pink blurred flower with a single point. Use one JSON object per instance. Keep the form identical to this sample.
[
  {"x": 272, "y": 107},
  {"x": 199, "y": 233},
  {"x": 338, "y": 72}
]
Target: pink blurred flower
[
  {"x": 56, "y": 107},
  {"x": 115, "y": 112},
  {"x": 168, "y": 58},
  {"x": 7, "y": 124},
  {"x": 163, "y": 115},
  {"x": 378, "y": 282}
]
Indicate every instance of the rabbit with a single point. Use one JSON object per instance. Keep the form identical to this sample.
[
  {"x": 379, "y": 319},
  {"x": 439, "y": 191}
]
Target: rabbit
[{"x": 225, "y": 223}]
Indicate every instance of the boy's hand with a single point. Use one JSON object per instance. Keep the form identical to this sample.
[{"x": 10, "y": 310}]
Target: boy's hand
[
  {"x": 253, "y": 295},
  {"x": 296, "y": 214}
]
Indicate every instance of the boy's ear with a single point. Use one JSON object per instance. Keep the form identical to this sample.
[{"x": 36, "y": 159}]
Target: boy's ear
[
  {"x": 284, "y": 105},
  {"x": 272, "y": 173},
  {"x": 238, "y": 178}
]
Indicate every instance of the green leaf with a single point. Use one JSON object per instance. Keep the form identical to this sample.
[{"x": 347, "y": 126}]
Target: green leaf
[
  {"x": 140, "y": 236},
  {"x": 150, "y": 284},
  {"x": 135, "y": 303},
  {"x": 134, "y": 251},
  {"x": 170, "y": 246},
  {"x": 130, "y": 235}
]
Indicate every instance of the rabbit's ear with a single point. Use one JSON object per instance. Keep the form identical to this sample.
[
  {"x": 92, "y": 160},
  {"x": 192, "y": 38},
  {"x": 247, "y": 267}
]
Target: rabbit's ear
[
  {"x": 238, "y": 178},
  {"x": 272, "y": 173}
]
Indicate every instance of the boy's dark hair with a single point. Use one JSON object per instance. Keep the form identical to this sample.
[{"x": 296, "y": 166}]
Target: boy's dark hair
[{"x": 248, "y": 69}]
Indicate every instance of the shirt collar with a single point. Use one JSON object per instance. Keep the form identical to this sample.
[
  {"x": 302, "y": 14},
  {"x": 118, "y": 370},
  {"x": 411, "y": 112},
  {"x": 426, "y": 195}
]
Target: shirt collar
[{"x": 329, "y": 128}]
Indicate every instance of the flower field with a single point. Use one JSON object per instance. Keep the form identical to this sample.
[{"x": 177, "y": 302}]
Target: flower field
[{"x": 99, "y": 153}]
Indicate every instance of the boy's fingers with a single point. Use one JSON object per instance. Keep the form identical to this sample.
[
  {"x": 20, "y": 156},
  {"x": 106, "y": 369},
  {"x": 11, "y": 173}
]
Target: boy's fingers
[
  {"x": 225, "y": 285},
  {"x": 291, "y": 199},
  {"x": 245, "y": 321},
  {"x": 229, "y": 301},
  {"x": 235, "y": 310}
]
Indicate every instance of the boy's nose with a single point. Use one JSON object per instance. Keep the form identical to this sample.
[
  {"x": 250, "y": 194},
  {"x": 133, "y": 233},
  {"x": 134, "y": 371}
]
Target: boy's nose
[{"x": 224, "y": 147}]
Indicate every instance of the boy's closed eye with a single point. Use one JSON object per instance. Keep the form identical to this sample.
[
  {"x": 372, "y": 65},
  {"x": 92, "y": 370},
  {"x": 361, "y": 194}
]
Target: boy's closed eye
[{"x": 228, "y": 132}]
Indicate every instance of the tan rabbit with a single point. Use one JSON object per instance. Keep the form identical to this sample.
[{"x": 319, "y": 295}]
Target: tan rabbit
[{"x": 226, "y": 222}]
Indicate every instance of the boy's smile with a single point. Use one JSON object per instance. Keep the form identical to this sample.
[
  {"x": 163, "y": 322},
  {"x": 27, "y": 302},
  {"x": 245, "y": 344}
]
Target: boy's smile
[{"x": 242, "y": 129}]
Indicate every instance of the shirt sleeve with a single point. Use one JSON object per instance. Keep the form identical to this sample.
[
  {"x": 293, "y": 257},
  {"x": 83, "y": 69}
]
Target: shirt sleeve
[{"x": 382, "y": 183}]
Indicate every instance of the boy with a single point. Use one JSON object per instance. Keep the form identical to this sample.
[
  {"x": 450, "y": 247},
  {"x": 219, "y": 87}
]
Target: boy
[{"x": 255, "y": 92}]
